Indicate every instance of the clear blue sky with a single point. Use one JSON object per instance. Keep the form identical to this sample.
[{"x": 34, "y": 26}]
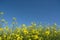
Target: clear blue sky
[{"x": 27, "y": 11}]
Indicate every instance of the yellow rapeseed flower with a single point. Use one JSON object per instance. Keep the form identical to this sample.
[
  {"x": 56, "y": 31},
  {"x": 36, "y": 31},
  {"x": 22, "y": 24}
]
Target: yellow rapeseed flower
[
  {"x": 1, "y": 29},
  {"x": 12, "y": 33},
  {"x": 47, "y": 32},
  {"x": 8, "y": 37},
  {"x": 25, "y": 31},
  {"x": 55, "y": 31},
  {"x": 33, "y": 31},
  {"x": 37, "y": 32},
  {"x": 4, "y": 35},
  {"x": 41, "y": 38},
  {"x": 35, "y": 36},
  {"x": 0, "y": 38},
  {"x": 18, "y": 38},
  {"x": 17, "y": 35},
  {"x": 29, "y": 39}
]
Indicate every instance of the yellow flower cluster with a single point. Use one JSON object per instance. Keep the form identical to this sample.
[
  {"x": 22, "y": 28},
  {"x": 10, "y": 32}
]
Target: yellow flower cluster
[{"x": 29, "y": 33}]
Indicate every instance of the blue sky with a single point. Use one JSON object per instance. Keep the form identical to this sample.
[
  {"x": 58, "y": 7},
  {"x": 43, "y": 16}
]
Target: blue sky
[{"x": 27, "y": 11}]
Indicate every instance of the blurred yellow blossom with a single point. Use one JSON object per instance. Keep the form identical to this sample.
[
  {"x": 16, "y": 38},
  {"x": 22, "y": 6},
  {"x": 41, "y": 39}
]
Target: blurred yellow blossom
[
  {"x": 35, "y": 36},
  {"x": 1, "y": 29},
  {"x": 47, "y": 32},
  {"x": 0, "y": 38}
]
